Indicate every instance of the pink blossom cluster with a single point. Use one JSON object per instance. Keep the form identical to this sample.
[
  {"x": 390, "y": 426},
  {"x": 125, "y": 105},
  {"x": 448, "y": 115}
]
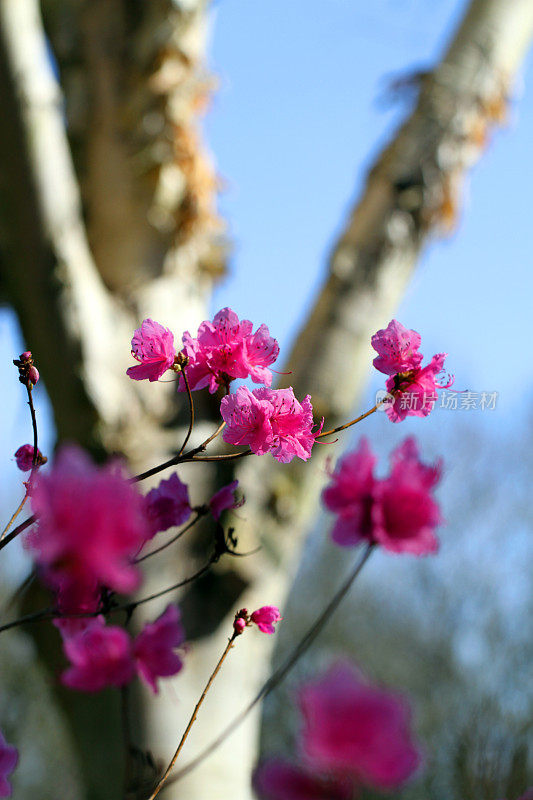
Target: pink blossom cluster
[
  {"x": 105, "y": 655},
  {"x": 265, "y": 618},
  {"x": 413, "y": 387},
  {"x": 399, "y": 512},
  {"x": 8, "y": 761},
  {"x": 226, "y": 349},
  {"x": 354, "y": 735},
  {"x": 269, "y": 420},
  {"x": 91, "y": 523},
  {"x": 223, "y": 350}
]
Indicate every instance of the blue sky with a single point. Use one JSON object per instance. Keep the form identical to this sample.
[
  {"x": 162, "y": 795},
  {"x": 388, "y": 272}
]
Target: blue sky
[{"x": 294, "y": 127}]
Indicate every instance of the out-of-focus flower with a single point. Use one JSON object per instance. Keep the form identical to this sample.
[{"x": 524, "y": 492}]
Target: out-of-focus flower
[
  {"x": 276, "y": 779},
  {"x": 225, "y": 499},
  {"x": 24, "y": 458},
  {"x": 354, "y": 729},
  {"x": 398, "y": 349},
  {"x": 265, "y": 618},
  {"x": 100, "y": 656},
  {"x": 269, "y": 420},
  {"x": 226, "y": 349},
  {"x": 399, "y": 512},
  {"x": 91, "y": 523},
  {"x": 153, "y": 649},
  {"x": 167, "y": 505},
  {"x": 8, "y": 761},
  {"x": 153, "y": 346}
]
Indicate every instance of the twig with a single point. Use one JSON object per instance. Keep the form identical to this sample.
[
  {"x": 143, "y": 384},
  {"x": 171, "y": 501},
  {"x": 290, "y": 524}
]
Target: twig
[
  {"x": 52, "y": 613},
  {"x": 15, "y": 532},
  {"x": 193, "y": 717},
  {"x": 35, "y": 461},
  {"x": 199, "y": 514},
  {"x": 349, "y": 424},
  {"x": 278, "y": 676}
]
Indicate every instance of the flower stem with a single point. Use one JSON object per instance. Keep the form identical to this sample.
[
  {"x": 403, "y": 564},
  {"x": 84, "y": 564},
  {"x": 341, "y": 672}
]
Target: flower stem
[
  {"x": 193, "y": 717},
  {"x": 34, "y": 463},
  {"x": 348, "y": 424},
  {"x": 280, "y": 674}
]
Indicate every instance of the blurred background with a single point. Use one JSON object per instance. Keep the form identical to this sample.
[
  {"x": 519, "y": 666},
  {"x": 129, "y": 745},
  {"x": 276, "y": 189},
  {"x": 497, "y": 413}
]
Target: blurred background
[{"x": 220, "y": 151}]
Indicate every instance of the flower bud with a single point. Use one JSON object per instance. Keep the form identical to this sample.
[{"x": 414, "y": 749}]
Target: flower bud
[{"x": 33, "y": 374}]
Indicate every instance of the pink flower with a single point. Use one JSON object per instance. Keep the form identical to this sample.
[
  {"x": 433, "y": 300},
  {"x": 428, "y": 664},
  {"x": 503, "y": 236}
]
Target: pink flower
[
  {"x": 413, "y": 388},
  {"x": 276, "y": 779},
  {"x": 225, "y": 499},
  {"x": 269, "y": 420},
  {"x": 265, "y": 617},
  {"x": 153, "y": 346},
  {"x": 415, "y": 392},
  {"x": 153, "y": 649},
  {"x": 398, "y": 349},
  {"x": 167, "y": 505},
  {"x": 357, "y": 730},
  {"x": 100, "y": 657},
  {"x": 8, "y": 761},
  {"x": 226, "y": 349},
  {"x": 91, "y": 523},
  {"x": 399, "y": 512},
  {"x": 248, "y": 420},
  {"x": 24, "y": 457}
]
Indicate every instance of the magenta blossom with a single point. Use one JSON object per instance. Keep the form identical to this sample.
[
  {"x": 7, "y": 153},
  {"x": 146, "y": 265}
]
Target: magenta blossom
[
  {"x": 357, "y": 730},
  {"x": 8, "y": 761},
  {"x": 265, "y": 617},
  {"x": 153, "y": 346},
  {"x": 167, "y": 505},
  {"x": 24, "y": 458},
  {"x": 91, "y": 523},
  {"x": 225, "y": 499},
  {"x": 226, "y": 349},
  {"x": 153, "y": 649},
  {"x": 413, "y": 388},
  {"x": 100, "y": 657},
  {"x": 269, "y": 420},
  {"x": 398, "y": 349},
  {"x": 276, "y": 779},
  {"x": 399, "y": 512}
]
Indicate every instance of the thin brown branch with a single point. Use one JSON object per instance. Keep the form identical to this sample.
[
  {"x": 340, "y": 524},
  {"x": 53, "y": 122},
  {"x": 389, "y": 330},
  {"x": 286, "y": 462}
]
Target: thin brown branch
[
  {"x": 200, "y": 513},
  {"x": 348, "y": 424},
  {"x": 281, "y": 673},
  {"x": 193, "y": 717}
]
